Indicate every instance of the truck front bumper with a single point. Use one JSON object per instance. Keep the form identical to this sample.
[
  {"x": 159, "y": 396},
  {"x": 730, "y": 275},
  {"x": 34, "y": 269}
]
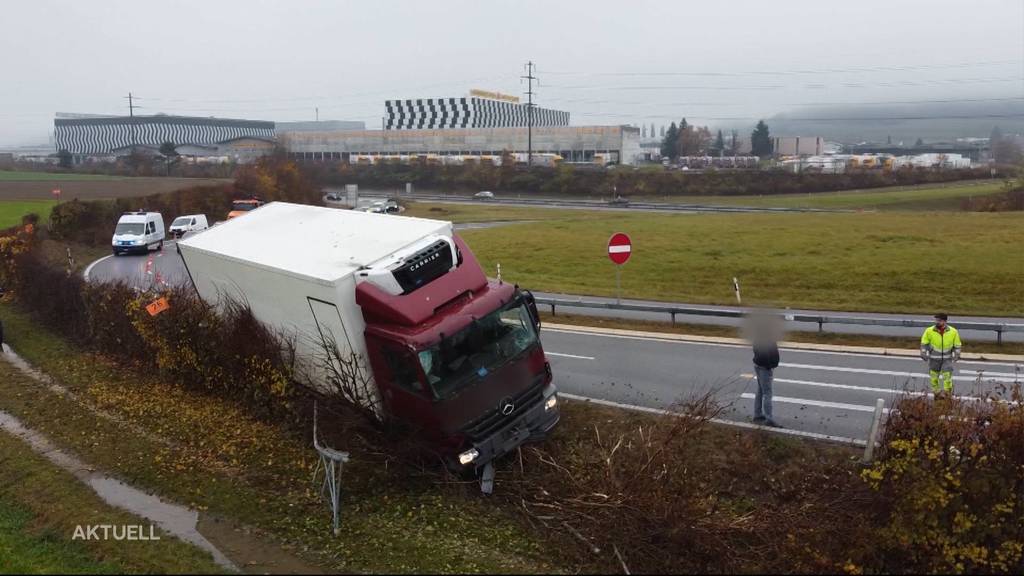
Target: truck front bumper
[{"x": 531, "y": 426}]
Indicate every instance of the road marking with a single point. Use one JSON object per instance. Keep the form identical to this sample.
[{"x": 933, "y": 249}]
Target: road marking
[
  {"x": 907, "y": 354},
  {"x": 747, "y": 425},
  {"x": 891, "y": 372},
  {"x": 866, "y": 388},
  {"x": 568, "y": 355},
  {"x": 89, "y": 268},
  {"x": 819, "y": 403}
]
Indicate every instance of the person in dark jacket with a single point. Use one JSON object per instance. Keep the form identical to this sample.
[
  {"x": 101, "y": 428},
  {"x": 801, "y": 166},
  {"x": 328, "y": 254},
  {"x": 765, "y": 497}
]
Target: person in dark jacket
[
  {"x": 764, "y": 328},
  {"x": 766, "y": 360}
]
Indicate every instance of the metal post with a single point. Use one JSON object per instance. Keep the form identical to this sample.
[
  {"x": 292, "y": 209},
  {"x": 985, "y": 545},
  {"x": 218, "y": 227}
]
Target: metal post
[
  {"x": 821, "y": 323},
  {"x": 618, "y": 285},
  {"x": 673, "y": 318},
  {"x": 552, "y": 308},
  {"x": 999, "y": 336},
  {"x": 869, "y": 448}
]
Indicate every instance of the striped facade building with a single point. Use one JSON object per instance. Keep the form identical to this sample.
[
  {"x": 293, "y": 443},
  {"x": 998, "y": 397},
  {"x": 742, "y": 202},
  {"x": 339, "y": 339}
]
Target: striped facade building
[
  {"x": 84, "y": 135},
  {"x": 474, "y": 111}
]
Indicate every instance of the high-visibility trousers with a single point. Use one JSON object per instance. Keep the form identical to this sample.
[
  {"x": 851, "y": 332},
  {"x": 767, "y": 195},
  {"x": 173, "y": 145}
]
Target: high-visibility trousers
[{"x": 943, "y": 369}]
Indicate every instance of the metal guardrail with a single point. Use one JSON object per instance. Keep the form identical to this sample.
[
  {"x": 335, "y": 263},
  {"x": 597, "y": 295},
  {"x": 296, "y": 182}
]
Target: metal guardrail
[
  {"x": 598, "y": 204},
  {"x": 820, "y": 320}
]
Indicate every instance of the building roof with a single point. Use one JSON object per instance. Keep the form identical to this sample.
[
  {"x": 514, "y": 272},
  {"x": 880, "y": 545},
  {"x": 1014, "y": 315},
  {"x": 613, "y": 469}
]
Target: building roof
[
  {"x": 63, "y": 120},
  {"x": 324, "y": 244},
  {"x": 260, "y": 138}
]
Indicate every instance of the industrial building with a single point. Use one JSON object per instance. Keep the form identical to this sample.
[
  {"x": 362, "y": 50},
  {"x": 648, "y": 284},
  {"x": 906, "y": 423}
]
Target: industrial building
[
  {"x": 480, "y": 109},
  {"x": 92, "y": 135},
  {"x": 798, "y": 145},
  {"x": 611, "y": 144}
]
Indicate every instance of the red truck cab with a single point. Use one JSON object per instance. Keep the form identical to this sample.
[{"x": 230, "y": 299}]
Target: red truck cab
[{"x": 461, "y": 359}]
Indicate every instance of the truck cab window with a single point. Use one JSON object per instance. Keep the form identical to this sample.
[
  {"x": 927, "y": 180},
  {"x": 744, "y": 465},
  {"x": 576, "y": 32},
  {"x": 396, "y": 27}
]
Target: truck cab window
[{"x": 403, "y": 371}]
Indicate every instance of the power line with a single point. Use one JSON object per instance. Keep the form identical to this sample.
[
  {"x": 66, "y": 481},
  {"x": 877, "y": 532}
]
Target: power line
[{"x": 853, "y": 69}]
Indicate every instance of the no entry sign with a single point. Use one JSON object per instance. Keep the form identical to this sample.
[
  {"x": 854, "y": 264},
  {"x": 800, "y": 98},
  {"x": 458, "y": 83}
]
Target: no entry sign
[{"x": 619, "y": 248}]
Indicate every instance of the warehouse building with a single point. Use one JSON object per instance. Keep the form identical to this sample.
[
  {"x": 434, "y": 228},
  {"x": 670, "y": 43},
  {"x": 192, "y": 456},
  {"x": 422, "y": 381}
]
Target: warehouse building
[
  {"x": 607, "y": 144},
  {"x": 92, "y": 135},
  {"x": 480, "y": 109}
]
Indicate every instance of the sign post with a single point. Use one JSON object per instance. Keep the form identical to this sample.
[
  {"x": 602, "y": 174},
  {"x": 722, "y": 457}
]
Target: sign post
[{"x": 620, "y": 247}]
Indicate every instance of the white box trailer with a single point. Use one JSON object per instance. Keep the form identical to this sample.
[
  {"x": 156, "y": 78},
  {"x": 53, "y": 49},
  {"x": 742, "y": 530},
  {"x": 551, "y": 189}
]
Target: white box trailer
[{"x": 445, "y": 348}]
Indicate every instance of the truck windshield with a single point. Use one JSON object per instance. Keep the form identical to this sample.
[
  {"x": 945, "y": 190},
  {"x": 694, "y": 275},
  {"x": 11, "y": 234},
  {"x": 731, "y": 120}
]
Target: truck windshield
[
  {"x": 480, "y": 348},
  {"x": 136, "y": 228},
  {"x": 183, "y": 221}
]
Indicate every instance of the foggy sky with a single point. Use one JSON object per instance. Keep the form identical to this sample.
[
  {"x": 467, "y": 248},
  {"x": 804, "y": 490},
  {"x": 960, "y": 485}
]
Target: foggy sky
[{"x": 605, "y": 62}]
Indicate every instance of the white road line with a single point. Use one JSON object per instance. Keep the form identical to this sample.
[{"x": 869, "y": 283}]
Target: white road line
[
  {"x": 89, "y": 268},
  {"x": 819, "y": 403},
  {"x": 909, "y": 356},
  {"x": 748, "y": 425},
  {"x": 568, "y": 355},
  {"x": 986, "y": 378},
  {"x": 894, "y": 392}
]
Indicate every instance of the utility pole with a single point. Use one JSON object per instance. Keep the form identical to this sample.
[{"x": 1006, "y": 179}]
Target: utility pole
[
  {"x": 131, "y": 121},
  {"x": 529, "y": 111}
]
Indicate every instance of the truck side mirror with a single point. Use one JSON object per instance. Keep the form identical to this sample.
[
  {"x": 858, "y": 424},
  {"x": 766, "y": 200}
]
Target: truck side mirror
[{"x": 531, "y": 305}]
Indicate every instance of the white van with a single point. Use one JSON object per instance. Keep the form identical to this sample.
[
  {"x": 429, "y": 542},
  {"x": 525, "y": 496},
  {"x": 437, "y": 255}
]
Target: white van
[
  {"x": 138, "y": 232},
  {"x": 185, "y": 224}
]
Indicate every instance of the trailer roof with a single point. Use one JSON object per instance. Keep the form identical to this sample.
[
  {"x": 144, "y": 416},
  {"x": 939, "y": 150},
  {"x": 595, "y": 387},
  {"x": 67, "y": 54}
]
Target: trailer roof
[{"x": 312, "y": 241}]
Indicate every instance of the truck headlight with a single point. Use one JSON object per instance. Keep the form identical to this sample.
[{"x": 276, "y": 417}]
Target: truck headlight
[
  {"x": 551, "y": 402},
  {"x": 468, "y": 456}
]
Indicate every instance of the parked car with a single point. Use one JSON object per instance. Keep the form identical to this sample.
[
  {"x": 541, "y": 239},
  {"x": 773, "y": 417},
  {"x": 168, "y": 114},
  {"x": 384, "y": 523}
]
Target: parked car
[
  {"x": 185, "y": 224},
  {"x": 138, "y": 232},
  {"x": 333, "y": 197},
  {"x": 484, "y": 195}
]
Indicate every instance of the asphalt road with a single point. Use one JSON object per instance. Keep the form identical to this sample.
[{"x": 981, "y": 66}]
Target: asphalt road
[
  {"x": 828, "y": 393},
  {"x": 822, "y": 393},
  {"x": 976, "y": 335},
  {"x": 566, "y": 203}
]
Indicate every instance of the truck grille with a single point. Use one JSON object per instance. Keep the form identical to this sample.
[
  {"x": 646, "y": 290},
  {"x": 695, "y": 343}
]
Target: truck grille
[{"x": 494, "y": 420}]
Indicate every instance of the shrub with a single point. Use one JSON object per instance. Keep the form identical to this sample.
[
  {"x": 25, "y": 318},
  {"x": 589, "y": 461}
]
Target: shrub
[{"x": 950, "y": 478}]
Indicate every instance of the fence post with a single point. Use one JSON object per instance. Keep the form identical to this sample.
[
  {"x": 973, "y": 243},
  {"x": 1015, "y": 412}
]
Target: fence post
[
  {"x": 673, "y": 318},
  {"x": 869, "y": 448},
  {"x": 552, "y": 308},
  {"x": 820, "y": 325},
  {"x": 999, "y": 335}
]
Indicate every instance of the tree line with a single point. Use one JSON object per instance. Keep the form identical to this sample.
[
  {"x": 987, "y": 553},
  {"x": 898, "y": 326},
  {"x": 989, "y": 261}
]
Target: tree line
[{"x": 687, "y": 139}]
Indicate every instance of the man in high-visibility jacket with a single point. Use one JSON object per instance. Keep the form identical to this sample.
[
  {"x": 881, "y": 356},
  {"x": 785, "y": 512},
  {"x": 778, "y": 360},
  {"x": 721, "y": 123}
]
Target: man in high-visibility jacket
[{"x": 940, "y": 348}]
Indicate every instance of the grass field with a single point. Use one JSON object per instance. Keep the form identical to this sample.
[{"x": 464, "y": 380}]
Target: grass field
[
  {"x": 88, "y": 187},
  {"x": 25, "y": 176},
  {"x": 964, "y": 263},
  {"x": 924, "y": 197},
  {"x": 40, "y": 506},
  {"x": 11, "y": 211},
  {"x": 459, "y": 213}
]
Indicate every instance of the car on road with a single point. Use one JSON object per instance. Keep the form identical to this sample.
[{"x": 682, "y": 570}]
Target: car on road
[
  {"x": 138, "y": 232},
  {"x": 333, "y": 197},
  {"x": 184, "y": 224},
  {"x": 484, "y": 195},
  {"x": 619, "y": 201}
]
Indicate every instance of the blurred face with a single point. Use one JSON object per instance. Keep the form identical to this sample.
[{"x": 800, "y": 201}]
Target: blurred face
[{"x": 940, "y": 322}]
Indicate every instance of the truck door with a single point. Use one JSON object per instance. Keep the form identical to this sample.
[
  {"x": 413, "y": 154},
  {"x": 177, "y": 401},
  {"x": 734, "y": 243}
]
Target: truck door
[
  {"x": 328, "y": 322},
  {"x": 398, "y": 377}
]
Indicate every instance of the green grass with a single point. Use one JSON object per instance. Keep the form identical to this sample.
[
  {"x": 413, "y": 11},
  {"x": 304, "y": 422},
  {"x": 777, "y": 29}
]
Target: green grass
[
  {"x": 924, "y": 197},
  {"x": 225, "y": 461},
  {"x": 481, "y": 212},
  {"x": 26, "y": 176},
  {"x": 964, "y": 263},
  {"x": 41, "y": 505},
  {"x": 11, "y": 211}
]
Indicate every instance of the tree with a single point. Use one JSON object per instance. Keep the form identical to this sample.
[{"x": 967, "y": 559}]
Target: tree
[
  {"x": 761, "y": 140},
  {"x": 652, "y": 131},
  {"x": 64, "y": 158},
  {"x": 734, "y": 143},
  {"x": 170, "y": 154},
  {"x": 919, "y": 143},
  {"x": 670, "y": 142},
  {"x": 663, "y": 131},
  {"x": 718, "y": 148},
  {"x": 693, "y": 140}
]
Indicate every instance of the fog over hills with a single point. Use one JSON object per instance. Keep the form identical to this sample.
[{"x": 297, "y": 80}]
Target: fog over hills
[{"x": 903, "y": 122}]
